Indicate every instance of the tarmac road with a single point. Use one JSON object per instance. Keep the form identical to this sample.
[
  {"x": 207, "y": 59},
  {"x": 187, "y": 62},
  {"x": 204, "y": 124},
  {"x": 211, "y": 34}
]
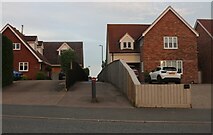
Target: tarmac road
[{"x": 55, "y": 119}]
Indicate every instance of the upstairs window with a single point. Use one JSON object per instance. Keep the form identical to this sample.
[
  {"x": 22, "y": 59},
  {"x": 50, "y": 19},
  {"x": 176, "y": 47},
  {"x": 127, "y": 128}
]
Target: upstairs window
[
  {"x": 127, "y": 42},
  {"x": 16, "y": 46},
  {"x": 170, "y": 43},
  {"x": 127, "y": 45}
]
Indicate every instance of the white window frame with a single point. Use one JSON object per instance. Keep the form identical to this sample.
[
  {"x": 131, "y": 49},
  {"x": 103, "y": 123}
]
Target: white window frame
[
  {"x": 15, "y": 46},
  {"x": 177, "y": 62},
  {"x": 166, "y": 39},
  {"x": 127, "y": 45},
  {"x": 23, "y": 70}
]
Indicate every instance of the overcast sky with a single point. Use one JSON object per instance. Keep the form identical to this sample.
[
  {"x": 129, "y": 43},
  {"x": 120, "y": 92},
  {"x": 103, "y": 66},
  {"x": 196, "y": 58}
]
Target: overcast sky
[{"x": 87, "y": 21}]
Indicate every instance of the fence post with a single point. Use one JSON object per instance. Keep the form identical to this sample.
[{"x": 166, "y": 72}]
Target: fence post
[{"x": 94, "y": 99}]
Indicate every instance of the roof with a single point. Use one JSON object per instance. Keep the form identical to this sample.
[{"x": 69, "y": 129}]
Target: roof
[
  {"x": 30, "y": 38},
  {"x": 116, "y": 31},
  {"x": 39, "y": 57},
  {"x": 207, "y": 25},
  {"x": 51, "y": 53},
  {"x": 169, "y": 8}
]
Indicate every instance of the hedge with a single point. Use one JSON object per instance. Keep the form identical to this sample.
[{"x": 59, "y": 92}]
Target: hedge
[
  {"x": 7, "y": 61},
  {"x": 75, "y": 74}
]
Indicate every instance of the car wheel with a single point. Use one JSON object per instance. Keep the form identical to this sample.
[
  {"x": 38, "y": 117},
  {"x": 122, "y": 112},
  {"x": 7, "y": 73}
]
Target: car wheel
[
  {"x": 177, "y": 82},
  {"x": 150, "y": 80},
  {"x": 159, "y": 79}
]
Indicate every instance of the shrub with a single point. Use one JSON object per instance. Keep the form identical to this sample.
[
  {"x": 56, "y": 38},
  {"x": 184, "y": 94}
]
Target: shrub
[
  {"x": 24, "y": 77},
  {"x": 146, "y": 77},
  {"x": 86, "y": 70},
  {"x": 40, "y": 76},
  {"x": 7, "y": 61}
]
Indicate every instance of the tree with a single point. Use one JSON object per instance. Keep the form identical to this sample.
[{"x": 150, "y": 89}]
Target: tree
[
  {"x": 7, "y": 61},
  {"x": 66, "y": 59}
]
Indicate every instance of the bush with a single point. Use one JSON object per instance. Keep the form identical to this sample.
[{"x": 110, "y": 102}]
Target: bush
[
  {"x": 75, "y": 74},
  {"x": 146, "y": 77},
  {"x": 7, "y": 61},
  {"x": 40, "y": 76},
  {"x": 24, "y": 77},
  {"x": 86, "y": 70}
]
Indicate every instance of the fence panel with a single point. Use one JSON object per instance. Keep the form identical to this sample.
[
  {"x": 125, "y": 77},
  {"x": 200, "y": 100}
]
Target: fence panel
[{"x": 164, "y": 95}]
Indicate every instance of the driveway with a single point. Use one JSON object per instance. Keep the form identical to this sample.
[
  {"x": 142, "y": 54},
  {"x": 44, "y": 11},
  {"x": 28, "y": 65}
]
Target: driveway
[
  {"x": 36, "y": 92},
  {"x": 52, "y": 92}
]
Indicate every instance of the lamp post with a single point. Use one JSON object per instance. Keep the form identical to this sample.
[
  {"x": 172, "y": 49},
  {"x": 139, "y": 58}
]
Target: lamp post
[{"x": 102, "y": 53}]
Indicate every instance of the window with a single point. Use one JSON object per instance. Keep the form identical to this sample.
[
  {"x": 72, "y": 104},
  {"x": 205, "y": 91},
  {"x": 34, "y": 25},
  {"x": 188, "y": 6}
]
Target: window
[
  {"x": 61, "y": 51},
  {"x": 23, "y": 66},
  {"x": 16, "y": 46},
  {"x": 173, "y": 63},
  {"x": 170, "y": 43},
  {"x": 127, "y": 45}
]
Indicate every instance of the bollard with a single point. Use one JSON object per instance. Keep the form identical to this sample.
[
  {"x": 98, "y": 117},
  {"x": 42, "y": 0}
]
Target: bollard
[{"x": 94, "y": 99}]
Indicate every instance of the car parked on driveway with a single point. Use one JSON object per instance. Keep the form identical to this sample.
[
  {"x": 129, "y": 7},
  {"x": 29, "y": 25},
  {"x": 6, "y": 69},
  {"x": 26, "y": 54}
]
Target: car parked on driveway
[
  {"x": 17, "y": 75},
  {"x": 61, "y": 76},
  {"x": 165, "y": 74}
]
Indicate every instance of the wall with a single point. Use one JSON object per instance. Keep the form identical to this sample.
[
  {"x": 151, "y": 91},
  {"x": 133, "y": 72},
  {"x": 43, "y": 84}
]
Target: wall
[
  {"x": 205, "y": 54},
  {"x": 128, "y": 57},
  {"x": 122, "y": 76},
  {"x": 153, "y": 46}
]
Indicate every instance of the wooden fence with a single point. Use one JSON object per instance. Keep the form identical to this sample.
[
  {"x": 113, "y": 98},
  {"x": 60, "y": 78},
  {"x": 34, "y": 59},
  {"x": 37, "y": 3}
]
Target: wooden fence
[{"x": 122, "y": 76}]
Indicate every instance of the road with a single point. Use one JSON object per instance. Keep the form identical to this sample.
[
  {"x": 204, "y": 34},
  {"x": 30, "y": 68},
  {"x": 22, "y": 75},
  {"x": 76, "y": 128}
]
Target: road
[{"x": 53, "y": 119}]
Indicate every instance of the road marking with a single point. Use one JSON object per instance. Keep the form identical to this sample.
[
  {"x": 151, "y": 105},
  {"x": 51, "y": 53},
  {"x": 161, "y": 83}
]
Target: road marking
[{"x": 108, "y": 120}]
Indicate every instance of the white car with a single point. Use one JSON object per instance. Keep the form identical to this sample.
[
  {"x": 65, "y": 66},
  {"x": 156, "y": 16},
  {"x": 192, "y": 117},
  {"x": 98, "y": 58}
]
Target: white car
[{"x": 165, "y": 74}]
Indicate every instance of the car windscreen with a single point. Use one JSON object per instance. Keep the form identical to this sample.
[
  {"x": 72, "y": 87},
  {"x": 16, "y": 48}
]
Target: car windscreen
[{"x": 169, "y": 68}]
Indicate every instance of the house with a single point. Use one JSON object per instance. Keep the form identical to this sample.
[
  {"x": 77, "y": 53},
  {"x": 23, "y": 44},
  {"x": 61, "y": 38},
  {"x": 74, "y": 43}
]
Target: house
[
  {"x": 32, "y": 55},
  {"x": 53, "y": 50},
  {"x": 205, "y": 49},
  {"x": 26, "y": 58},
  {"x": 168, "y": 41}
]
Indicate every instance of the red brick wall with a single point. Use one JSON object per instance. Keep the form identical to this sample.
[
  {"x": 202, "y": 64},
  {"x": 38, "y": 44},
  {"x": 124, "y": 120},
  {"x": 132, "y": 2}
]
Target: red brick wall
[
  {"x": 153, "y": 47},
  {"x": 23, "y": 55},
  {"x": 205, "y": 54}
]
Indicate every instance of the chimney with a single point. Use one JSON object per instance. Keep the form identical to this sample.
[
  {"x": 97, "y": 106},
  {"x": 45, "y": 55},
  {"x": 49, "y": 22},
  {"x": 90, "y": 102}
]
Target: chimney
[{"x": 22, "y": 29}]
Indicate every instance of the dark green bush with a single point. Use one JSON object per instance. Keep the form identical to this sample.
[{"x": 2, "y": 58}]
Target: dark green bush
[
  {"x": 24, "y": 77},
  {"x": 7, "y": 61},
  {"x": 146, "y": 77},
  {"x": 86, "y": 70},
  {"x": 75, "y": 74},
  {"x": 40, "y": 76}
]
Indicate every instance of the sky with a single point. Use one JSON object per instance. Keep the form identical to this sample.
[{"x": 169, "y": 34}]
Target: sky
[{"x": 87, "y": 21}]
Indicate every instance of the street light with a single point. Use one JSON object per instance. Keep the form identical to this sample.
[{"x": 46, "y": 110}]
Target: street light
[{"x": 102, "y": 53}]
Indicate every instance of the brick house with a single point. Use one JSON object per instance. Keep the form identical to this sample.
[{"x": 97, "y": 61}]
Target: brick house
[
  {"x": 32, "y": 56},
  {"x": 53, "y": 50},
  {"x": 205, "y": 49},
  {"x": 168, "y": 41}
]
